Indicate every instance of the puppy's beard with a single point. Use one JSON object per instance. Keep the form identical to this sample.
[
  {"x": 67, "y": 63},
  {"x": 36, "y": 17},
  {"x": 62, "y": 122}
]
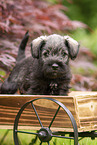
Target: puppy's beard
[{"x": 53, "y": 74}]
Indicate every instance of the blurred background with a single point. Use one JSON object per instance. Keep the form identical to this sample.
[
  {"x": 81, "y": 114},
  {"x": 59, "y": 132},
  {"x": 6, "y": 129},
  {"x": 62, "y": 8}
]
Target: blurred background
[{"x": 75, "y": 18}]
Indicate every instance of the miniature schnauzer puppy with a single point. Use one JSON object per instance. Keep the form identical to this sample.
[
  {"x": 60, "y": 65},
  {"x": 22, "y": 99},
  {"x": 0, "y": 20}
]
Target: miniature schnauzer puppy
[{"x": 47, "y": 71}]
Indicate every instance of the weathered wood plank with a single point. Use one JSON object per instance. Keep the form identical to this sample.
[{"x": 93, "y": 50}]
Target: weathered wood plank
[
  {"x": 10, "y": 105},
  {"x": 83, "y": 106},
  {"x": 87, "y": 110}
]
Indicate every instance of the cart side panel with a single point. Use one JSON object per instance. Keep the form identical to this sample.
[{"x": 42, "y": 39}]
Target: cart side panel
[{"x": 10, "y": 105}]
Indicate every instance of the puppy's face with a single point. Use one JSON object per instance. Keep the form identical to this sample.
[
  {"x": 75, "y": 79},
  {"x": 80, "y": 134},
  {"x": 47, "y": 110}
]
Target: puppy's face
[
  {"x": 54, "y": 52},
  {"x": 55, "y": 56}
]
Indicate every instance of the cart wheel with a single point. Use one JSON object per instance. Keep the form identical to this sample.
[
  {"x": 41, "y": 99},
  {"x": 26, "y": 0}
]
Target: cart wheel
[{"x": 45, "y": 134}]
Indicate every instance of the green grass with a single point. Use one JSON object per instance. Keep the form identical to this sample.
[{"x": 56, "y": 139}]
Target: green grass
[{"x": 26, "y": 139}]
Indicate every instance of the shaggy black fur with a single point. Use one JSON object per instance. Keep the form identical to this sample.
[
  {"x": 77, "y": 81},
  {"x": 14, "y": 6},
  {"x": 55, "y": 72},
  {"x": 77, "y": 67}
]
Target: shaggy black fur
[{"x": 47, "y": 72}]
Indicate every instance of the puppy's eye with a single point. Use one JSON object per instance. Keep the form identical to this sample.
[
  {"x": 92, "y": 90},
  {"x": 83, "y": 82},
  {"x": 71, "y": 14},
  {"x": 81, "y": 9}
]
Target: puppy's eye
[
  {"x": 45, "y": 53},
  {"x": 64, "y": 54}
]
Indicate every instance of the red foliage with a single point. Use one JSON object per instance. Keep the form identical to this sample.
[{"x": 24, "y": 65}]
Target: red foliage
[
  {"x": 83, "y": 83},
  {"x": 35, "y": 16}
]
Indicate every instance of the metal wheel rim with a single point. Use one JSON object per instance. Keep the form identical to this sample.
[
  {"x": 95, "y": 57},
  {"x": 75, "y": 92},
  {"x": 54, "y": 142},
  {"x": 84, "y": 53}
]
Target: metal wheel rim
[{"x": 57, "y": 102}]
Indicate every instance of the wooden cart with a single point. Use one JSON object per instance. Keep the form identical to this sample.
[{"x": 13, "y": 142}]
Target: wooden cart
[{"x": 51, "y": 116}]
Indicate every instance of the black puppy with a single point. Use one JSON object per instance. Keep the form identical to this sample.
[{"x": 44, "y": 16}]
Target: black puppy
[{"x": 47, "y": 71}]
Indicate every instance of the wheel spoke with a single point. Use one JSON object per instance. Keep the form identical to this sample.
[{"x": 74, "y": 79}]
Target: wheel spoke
[
  {"x": 62, "y": 137},
  {"x": 19, "y": 131},
  {"x": 37, "y": 115},
  {"x": 54, "y": 117}
]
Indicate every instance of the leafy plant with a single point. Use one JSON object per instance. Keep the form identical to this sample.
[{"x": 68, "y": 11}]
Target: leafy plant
[
  {"x": 35, "y": 16},
  {"x": 85, "y": 11}
]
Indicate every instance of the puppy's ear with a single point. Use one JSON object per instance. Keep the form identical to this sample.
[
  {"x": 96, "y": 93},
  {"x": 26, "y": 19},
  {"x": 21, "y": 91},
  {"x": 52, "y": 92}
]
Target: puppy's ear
[
  {"x": 73, "y": 46},
  {"x": 36, "y": 45}
]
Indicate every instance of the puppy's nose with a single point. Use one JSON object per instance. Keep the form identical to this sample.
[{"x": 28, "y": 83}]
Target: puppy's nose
[{"x": 55, "y": 66}]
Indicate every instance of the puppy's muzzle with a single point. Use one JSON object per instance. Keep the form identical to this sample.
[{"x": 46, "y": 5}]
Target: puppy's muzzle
[{"x": 55, "y": 66}]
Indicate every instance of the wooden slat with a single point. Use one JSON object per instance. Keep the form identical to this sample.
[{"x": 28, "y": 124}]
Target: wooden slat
[
  {"x": 10, "y": 105},
  {"x": 83, "y": 106}
]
